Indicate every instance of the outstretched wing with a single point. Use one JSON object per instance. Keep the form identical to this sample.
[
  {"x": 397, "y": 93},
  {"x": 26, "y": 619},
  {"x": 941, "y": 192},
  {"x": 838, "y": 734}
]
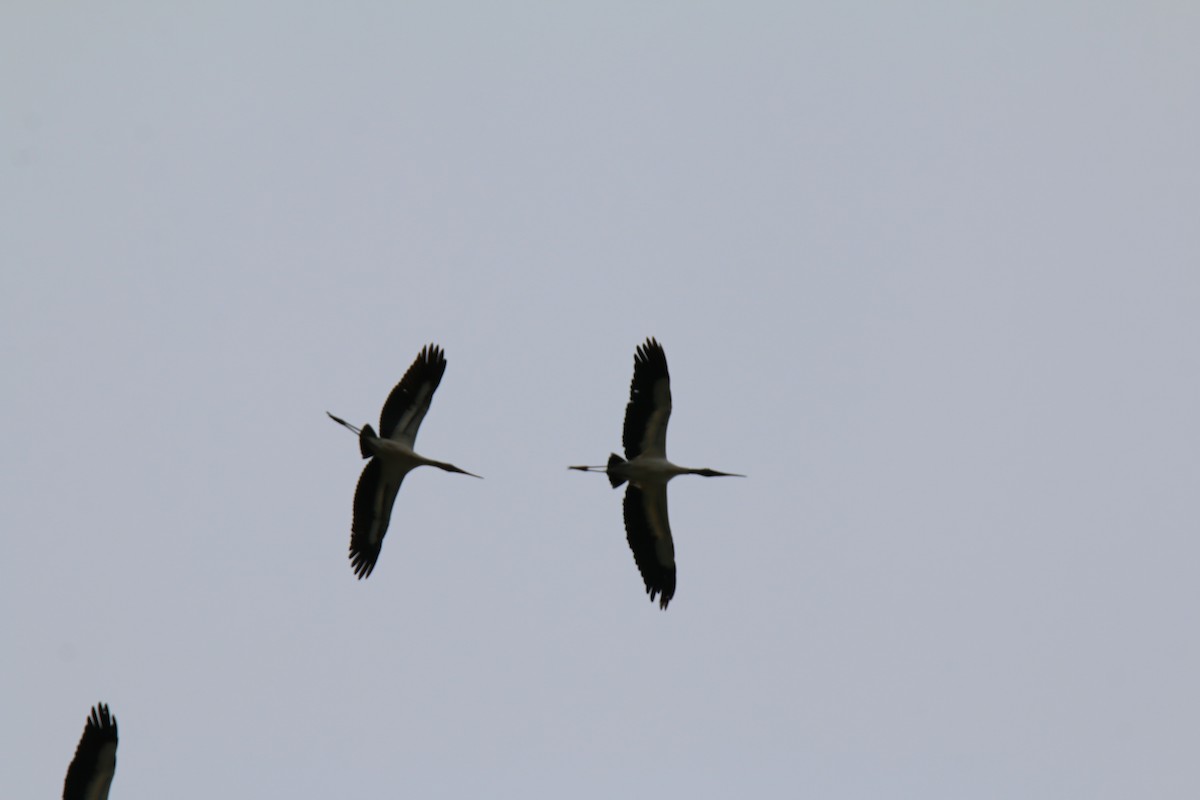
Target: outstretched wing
[
  {"x": 373, "y": 500},
  {"x": 91, "y": 771},
  {"x": 649, "y": 407},
  {"x": 409, "y": 400},
  {"x": 649, "y": 534}
]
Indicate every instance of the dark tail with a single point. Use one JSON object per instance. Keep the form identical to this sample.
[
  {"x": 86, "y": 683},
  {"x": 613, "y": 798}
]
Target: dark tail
[
  {"x": 367, "y": 434},
  {"x": 614, "y": 460}
]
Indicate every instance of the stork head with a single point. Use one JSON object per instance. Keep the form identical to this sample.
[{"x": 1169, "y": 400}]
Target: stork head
[{"x": 712, "y": 473}]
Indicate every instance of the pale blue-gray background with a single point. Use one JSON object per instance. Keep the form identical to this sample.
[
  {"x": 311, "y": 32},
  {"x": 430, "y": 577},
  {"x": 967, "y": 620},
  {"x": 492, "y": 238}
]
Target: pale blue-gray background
[{"x": 929, "y": 273}]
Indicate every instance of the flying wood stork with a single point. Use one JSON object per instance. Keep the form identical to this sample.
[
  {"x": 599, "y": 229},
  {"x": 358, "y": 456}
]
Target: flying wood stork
[
  {"x": 648, "y": 471},
  {"x": 392, "y": 456},
  {"x": 91, "y": 771}
]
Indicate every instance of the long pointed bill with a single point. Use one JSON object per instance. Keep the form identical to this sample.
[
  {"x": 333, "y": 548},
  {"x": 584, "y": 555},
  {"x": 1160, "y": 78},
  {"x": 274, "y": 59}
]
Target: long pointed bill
[
  {"x": 452, "y": 468},
  {"x": 590, "y": 469},
  {"x": 712, "y": 473}
]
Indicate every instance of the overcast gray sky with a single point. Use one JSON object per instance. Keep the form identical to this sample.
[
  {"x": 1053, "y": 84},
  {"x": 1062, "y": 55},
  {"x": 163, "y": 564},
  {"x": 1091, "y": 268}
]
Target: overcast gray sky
[{"x": 929, "y": 274}]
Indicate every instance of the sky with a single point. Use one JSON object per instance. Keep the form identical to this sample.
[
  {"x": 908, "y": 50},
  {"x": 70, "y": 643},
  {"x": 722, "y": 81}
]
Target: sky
[{"x": 927, "y": 273}]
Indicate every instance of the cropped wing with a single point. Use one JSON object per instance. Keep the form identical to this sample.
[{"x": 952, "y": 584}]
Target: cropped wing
[
  {"x": 91, "y": 771},
  {"x": 649, "y": 407},
  {"x": 409, "y": 401},
  {"x": 373, "y": 501},
  {"x": 649, "y": 534}
]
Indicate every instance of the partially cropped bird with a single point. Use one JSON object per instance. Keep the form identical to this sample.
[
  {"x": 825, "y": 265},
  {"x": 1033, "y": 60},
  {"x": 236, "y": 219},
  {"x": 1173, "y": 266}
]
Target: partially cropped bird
[
  {"x": 648, "y": 471},
  {"x": 392, "y": 456},
  {"x": 91, "y": 771}
]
